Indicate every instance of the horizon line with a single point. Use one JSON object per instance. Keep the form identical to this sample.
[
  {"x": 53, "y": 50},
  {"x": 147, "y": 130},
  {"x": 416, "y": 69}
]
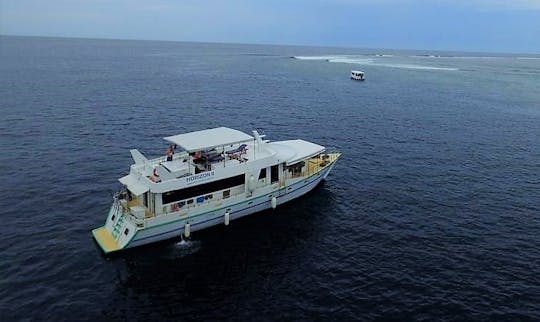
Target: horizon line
[{"x": 273, "y": 44}]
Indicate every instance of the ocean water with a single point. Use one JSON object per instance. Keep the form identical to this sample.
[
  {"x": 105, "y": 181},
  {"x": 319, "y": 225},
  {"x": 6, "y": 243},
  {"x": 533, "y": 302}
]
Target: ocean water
[{"x": 432, "y": 213}]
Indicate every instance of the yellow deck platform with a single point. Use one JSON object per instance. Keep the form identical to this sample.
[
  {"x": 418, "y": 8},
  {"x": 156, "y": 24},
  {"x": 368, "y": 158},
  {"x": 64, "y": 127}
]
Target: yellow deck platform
[{"x": 105, "y": 239}]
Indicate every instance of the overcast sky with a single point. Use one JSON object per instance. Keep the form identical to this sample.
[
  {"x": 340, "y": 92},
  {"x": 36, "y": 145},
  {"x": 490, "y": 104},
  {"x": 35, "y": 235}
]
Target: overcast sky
[{"x": 471, "y": 25}]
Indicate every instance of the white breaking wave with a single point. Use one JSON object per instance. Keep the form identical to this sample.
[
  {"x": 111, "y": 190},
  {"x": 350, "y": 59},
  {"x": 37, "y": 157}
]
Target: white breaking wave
[
  {"x": 457, "y": 57},
  {"x": 316, "y": 57},
  {"x": 370, "y": 61},
  {"x": 360, "y": 61},
  {"x": 412, "y": 66}
]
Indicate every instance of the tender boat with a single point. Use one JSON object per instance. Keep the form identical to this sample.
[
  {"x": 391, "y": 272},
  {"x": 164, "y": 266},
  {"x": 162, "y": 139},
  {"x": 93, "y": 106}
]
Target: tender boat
[
  {"x": 357, "y": 75},
  {"x": 218, "y": 175}
]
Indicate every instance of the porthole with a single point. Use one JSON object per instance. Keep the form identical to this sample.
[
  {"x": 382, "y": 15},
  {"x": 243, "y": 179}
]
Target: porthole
[{"x": 126, "y": 231}]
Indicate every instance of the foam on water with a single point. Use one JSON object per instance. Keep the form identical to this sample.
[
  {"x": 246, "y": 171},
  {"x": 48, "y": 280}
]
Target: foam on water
[
  {"x": 360, "y": 60},
  {"x": 528, "y": 58},
  {"x": 456, "y": 57},
  {"x": 185, "y": 247},
  {"x": 421, "y": 67},
  {"x": 326, "y": 57}
]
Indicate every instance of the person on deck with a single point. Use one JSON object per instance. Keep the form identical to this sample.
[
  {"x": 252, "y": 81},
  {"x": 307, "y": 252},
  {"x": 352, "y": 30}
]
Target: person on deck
[{"x": 169, "y": 153}]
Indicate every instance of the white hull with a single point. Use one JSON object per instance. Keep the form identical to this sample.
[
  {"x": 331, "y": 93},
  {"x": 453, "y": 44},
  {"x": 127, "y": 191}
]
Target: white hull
[{"x": 251, "y": 205}]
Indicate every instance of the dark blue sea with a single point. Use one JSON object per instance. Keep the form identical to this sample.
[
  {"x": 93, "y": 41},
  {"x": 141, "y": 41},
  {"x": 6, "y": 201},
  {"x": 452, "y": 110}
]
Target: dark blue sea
[{"x": 432, "y": 213}]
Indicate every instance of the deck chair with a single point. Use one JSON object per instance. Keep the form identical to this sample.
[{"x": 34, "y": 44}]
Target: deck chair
[{"x": 242, "y": 148}]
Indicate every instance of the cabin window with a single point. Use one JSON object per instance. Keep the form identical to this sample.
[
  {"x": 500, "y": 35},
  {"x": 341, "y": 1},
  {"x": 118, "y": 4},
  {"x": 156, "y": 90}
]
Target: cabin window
[
  {"x": 202, "y": 189},
  {"x": 274, "y": 173},
  {"x": 296, "y": 169},
  {"x": 262, "y": 174},
  {"x": 226, "y": 194},
  {"x": 190, "y": 201},
  {"x": 126, "y": 232},
  {"x": 145, "y": 199}
]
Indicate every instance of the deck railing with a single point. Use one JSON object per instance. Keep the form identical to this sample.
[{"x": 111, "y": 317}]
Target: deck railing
[
  {"x": 316, "y": 164},
  {"x": 313, "y": 165}
]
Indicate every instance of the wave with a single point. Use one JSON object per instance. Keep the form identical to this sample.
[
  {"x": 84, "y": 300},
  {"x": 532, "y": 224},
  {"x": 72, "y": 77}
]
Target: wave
[
  {"x": 315, "y": 57},
  {"x": 371, "y": 61},
  {"x": 360, "y": 61},
  {"x": 474, "y": 57},
  {"x": 413, "y": 66},
  {"x": 457, "y": 57}
]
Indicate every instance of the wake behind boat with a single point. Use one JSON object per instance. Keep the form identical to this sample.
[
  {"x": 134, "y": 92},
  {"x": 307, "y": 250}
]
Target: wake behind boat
[{"x": 220, "y": 175}]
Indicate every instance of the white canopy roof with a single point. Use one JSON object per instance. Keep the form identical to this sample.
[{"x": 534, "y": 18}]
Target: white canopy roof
[
  {"x": 205, "y": 139},
  {"x": 293, "y": 151},
  {"x": 133, "y": 184}
]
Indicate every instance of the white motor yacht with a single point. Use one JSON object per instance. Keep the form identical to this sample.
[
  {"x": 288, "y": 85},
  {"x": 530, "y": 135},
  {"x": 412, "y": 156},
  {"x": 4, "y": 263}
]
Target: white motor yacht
[
  {"x": 215, "y": 176},
  {"x": 357, "y": 75}
]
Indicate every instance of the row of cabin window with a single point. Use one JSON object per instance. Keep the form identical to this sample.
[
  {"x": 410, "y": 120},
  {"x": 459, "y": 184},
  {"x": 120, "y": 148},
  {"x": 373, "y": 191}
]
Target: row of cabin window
[
  {"x": 206, "y": 188},
  {"x": 202, "y": 199},
  {"x": 202, "y": 189}
]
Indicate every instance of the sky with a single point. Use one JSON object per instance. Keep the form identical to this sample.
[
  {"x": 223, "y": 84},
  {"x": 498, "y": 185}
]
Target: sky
[{"x": 462, "y": 25}]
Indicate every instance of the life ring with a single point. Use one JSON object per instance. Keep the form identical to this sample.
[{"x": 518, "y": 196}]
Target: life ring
[{"x": 174, "y": 207}]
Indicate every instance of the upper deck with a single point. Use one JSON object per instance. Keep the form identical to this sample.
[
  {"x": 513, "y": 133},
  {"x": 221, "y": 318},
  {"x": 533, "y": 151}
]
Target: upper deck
[
  {"x": 211, "y": 155},
  {"x": 209, "y": 139}
]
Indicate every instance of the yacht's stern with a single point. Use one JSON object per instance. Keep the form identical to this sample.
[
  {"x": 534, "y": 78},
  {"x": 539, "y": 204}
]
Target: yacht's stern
[
  {"x": 105, "y": 240},
  {"x": 119, "y": 228}
]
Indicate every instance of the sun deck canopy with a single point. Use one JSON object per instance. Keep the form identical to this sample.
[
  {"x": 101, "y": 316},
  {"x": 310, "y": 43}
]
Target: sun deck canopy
[
  {"x": 294, "y": 151},
  {"x": 206, "y": 139},
  {"x": 133, "y": 184}
]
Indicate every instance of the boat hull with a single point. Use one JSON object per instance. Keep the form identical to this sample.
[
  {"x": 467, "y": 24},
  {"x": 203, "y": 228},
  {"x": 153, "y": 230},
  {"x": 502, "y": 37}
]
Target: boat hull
[{"x": 217, "y": 217}]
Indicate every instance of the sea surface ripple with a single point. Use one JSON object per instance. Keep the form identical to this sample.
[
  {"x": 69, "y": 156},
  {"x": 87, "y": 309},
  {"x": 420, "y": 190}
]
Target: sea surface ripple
[{"x": 432, "y": 213}]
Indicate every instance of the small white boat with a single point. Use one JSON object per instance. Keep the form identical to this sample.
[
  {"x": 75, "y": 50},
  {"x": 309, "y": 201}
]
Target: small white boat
[
  {"x": 357, "y": 75},
  {"x": 220, "y": 175}
]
